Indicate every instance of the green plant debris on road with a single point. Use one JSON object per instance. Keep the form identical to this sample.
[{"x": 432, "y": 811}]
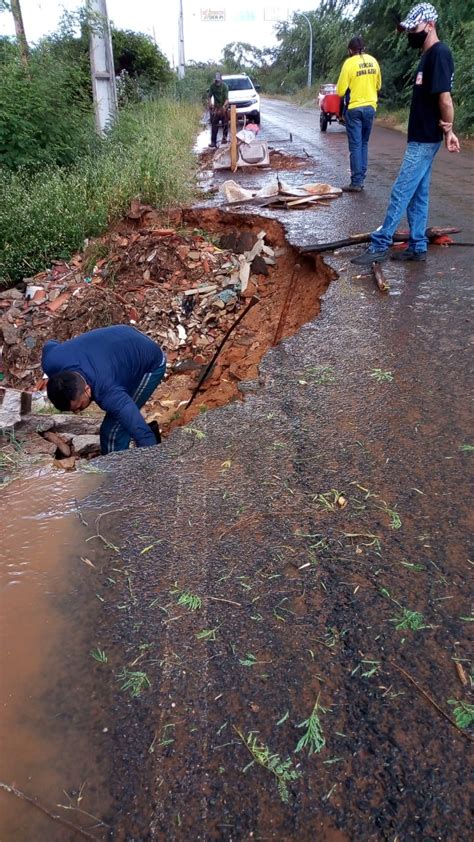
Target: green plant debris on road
[
  {"x": 409, "y": 620},
  {"x": 313, "y": 739},
  {"x": 134, "y": 682},
  {"x": 463, "y": 713},
  {"x": 191, "y": 601},
  {"x": 382, "y": 376},
  {"x": 99, "y": 655},
  {"x": 283, "y": 770}
]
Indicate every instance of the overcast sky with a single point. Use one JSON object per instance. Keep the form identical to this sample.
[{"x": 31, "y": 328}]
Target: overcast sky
[{"x": 243, "y": 20}]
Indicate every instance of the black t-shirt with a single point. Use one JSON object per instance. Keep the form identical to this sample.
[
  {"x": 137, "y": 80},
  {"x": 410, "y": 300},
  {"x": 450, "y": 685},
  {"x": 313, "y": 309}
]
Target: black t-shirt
[{"x": 434, "y": 76}]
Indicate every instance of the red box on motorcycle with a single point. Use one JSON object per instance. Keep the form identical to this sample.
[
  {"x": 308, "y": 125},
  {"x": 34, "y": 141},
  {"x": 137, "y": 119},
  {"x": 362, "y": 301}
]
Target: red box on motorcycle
[{"x": 332, "y": 104}]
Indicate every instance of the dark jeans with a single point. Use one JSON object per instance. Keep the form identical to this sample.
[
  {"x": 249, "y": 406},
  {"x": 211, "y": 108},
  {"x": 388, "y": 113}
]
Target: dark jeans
[
  {"x": 219, "y": 115},
  {"x": 359, "y": 125},
  {"x": 112, "y": 434}
]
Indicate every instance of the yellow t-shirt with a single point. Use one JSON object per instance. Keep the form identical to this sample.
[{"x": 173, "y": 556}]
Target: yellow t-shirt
[{"x": 361, "y": 74}]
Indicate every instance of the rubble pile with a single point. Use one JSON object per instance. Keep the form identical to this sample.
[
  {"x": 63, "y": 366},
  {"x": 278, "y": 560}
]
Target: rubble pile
[{"x": 180, "y": 287}]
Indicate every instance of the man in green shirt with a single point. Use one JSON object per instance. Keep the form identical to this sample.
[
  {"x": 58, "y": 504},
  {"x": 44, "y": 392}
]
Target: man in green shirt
[{"x": 218, "y": 100}]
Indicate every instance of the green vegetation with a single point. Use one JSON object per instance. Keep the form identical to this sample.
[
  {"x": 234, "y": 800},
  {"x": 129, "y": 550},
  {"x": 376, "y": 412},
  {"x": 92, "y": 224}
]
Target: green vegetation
[
  {"x": 282, "y": 770},
  {"x": 46, "y": 215},
  {"x": 463, "y": 713},
  {"x": 283, "y": 70},
  {"x": 134, "y": 682},
  {"x": 99, "y": 655},
  {"x": 190, "y": 601},
  {"x": 409, "y": 620},
  {"x": 381, "y": 376},
  {"x": 313, "y": 739},
  {"x": 59, "y": 182}
]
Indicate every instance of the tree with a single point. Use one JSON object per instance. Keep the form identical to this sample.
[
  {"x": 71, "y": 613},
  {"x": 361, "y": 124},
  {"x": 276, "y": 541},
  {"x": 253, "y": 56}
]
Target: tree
[
  {"x": 239, "y": 56},
  {"x": 140, "y": 58}
]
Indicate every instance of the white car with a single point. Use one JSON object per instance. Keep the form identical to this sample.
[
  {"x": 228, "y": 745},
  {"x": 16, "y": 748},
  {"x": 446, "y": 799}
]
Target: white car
[{"x": 243, "y": 94}]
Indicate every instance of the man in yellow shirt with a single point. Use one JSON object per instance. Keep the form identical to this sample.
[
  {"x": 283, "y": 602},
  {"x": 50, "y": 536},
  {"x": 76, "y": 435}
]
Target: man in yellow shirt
[{"x": 359, "y": 81}]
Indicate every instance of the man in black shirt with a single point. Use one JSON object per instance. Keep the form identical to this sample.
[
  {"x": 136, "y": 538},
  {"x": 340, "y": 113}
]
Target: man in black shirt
[{"x": 431, "y": 118}]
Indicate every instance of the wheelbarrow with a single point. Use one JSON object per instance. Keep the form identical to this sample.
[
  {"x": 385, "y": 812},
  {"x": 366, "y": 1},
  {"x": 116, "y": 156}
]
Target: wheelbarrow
[{"x": 331, "y": 110}]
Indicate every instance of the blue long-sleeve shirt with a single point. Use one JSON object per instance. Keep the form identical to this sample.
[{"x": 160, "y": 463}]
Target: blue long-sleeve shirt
[{"x": 112, "y": 361}]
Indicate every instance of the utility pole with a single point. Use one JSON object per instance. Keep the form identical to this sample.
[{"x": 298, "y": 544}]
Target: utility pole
[
  {"x": 181, "y": 61},
  {"x": 20, "y": 32},
  {"x": 102, "y": 67},
  {"x": 310, "y": 56}
]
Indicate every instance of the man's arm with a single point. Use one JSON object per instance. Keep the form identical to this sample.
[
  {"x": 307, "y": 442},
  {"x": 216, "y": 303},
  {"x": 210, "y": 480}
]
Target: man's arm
[
  {"x": 446, "y": 108},
  {"x": 125, "y": 410},
  {"x": 343, "y": 81}
]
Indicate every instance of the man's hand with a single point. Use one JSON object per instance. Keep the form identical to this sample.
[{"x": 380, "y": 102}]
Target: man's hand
[{"x": 451, "y": 141}]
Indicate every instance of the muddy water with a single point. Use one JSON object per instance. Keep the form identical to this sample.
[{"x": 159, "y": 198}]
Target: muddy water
[{"x": 48, "y": 746}]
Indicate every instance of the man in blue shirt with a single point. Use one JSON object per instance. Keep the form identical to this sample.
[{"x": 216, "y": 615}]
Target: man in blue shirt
[
  {"x": 431, "y": 119},
  {"x": 117, "y": 367}
]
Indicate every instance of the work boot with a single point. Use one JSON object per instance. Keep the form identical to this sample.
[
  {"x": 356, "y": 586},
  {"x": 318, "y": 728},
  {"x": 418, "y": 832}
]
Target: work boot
[
  {"x": 353, "y": 188},
  {"x": 407, "y": 254},
  {"x": 368, "y": 257},
  {"x": 153, "y": 425}
]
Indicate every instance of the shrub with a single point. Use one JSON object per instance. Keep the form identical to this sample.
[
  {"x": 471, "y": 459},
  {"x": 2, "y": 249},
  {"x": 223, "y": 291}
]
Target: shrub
[
  {"x": 46, "y": 215},
  {"x": 45, "y": 114}
]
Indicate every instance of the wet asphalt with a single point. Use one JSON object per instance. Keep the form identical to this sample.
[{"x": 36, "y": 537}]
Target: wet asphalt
[{"x": 304, "y": 596}]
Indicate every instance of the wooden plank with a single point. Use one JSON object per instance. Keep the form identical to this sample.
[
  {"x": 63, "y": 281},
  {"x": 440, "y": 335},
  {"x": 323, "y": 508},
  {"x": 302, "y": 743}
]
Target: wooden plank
[{"x": 233, "y": 138}]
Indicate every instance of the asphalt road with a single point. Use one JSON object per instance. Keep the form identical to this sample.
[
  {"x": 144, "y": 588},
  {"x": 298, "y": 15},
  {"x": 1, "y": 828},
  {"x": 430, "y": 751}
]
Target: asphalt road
[{"x": 323, "y": 528}]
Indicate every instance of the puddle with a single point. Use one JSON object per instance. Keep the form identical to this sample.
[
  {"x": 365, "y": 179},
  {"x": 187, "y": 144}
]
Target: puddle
[{"x": 47, "y": 731}]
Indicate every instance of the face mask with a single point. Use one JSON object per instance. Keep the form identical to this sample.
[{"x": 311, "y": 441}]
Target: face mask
[{"x": 417, "y": 39}]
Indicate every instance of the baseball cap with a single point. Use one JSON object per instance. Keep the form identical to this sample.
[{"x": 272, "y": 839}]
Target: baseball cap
[
  {"x": 421, "y": 13},
  {"x": 218, "y": 77}
]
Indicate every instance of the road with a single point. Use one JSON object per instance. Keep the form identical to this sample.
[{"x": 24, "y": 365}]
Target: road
[{"x": 297, "y": 564}]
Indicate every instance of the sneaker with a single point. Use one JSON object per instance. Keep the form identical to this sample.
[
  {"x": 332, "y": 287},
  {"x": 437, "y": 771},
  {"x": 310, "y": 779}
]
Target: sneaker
[
  {"x": 408, "y": 254},
  {"x": 352, "y": 188},
  {"x": 213, "y": 146},
  {"x": 368, "y": 257}
]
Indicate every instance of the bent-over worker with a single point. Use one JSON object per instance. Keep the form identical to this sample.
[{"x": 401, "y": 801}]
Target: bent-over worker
[{"x": 117, "y": 367}]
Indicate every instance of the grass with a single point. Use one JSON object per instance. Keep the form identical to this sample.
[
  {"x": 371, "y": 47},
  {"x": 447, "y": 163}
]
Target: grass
[
  {"x": 207, "y": 634},
  {"x": 48, "y": 214},
  {"x": 282, "y": 770},
  {"x": 134, "y": 682},
  {"x": 319, "y": 375},
  {"x": 409, "y": 620},
  {"x": 331, "y": 500},
  {"x": 313, "y": 738},
  {"x": 249, "y": 660},
  {"x": 381, "y": 376},
  {"x": 99, "y": 655}
]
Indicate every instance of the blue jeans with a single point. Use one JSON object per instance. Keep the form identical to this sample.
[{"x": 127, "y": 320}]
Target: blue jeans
[
  {"x": 358, "y": 126},
  {"x": 112, "y": 434},
  {"x": 410, "y": 193}
]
